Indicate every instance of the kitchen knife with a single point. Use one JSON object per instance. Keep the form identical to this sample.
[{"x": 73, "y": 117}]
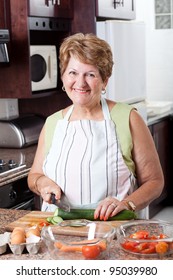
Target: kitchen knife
[{"x": 61, "y": 203}]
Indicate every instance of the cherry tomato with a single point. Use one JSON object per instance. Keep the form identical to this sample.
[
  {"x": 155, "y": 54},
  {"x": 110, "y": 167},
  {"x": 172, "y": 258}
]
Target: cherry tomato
[
  {"x": 142, "y": 234},
  {"x": 142, "y": 246},
  {"x": 151, "y": 249},
  {"x": 161, "y": 236},
  {"x": 161, "y": 247},
  {"x": 91, "y": 251},
  {"x": 130, "y": 246},
  {"x": 152, "y": 237},
  {"x": 43, "y": 223}
]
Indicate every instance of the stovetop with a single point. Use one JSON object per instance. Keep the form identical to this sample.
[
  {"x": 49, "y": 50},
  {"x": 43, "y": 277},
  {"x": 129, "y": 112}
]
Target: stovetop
[{"x": 7, "y": 167}]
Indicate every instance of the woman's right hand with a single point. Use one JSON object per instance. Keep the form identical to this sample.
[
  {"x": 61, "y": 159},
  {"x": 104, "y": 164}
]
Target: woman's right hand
[{"x": 46, "y": 187}]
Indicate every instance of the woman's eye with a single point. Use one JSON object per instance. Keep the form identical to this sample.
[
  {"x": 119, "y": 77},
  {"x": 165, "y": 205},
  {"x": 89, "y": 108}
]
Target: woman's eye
[
  {"x": 91, "y": 75},
  {"x": 72, "y": 73}
]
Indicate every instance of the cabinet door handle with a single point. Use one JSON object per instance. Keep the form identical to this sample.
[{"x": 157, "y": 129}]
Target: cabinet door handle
[{"x": 54, "y": 2}]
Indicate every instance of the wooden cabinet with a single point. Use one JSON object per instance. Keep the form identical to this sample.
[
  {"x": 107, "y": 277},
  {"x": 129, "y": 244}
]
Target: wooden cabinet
[
  {"x": 51, "y": 8},
  {"x": 15, "y": 78},
  {"x": 4, "y": 14},
  {"x": 124, "y": 9},
  {"x": 27, "y": 26},
  {"x": 161, "y": 135}
]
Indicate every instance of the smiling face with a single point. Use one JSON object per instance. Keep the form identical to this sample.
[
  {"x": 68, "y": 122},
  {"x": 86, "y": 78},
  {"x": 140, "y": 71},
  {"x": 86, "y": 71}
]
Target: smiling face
[{"x": 83, "y": 82}]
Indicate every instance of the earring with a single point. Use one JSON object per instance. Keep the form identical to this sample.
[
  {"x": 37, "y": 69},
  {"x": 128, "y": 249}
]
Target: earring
[
  {"x": 103, "y": 91},
  {"x": 63, "y": 88}
]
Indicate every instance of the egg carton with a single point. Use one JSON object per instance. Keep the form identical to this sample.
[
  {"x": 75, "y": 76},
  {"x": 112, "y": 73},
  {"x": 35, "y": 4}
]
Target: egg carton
[
  {"x": 32, "y": 245},
  {"x": 4, "y": 238}
]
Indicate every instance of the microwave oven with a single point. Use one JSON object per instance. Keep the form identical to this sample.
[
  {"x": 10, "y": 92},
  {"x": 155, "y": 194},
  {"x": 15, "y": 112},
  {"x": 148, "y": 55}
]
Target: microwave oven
[{"x": 44, "y": 67}]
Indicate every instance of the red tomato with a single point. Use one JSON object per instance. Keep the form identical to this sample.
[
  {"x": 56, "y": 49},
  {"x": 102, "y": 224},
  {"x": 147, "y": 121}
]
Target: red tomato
[
  {"x": 91, "y": 251},
  {"x": 130, "y": 246},
  {"x": 43, "y": 223},
  {"x": 162, "y": 247},
  {"x": 142, "y": 234},
  {"x": 150, "y": 250},
  {"x": 152, "y": 237},
  {"x": 142, "y": 246},
  {"x": 161, "y": 236}
]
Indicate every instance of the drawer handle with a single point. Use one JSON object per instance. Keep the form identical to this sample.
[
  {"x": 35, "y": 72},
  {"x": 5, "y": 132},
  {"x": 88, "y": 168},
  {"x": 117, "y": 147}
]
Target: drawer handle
[{"x": 54, "y": 2}]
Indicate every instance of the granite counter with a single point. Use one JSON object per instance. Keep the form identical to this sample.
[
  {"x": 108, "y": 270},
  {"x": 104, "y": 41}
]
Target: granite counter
[{"x": 8, "y": 216}]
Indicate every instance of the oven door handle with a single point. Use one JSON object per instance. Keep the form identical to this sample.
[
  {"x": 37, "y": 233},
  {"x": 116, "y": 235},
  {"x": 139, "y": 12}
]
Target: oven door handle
[{"x": 27, "y": 205}]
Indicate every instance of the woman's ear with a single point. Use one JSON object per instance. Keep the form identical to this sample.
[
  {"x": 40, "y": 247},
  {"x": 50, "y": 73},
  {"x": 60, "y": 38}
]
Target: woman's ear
[{"x": 106, "y": 82}]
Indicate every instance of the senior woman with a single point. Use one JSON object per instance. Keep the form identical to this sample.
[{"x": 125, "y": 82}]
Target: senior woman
[{"x": 99, "y": 153}]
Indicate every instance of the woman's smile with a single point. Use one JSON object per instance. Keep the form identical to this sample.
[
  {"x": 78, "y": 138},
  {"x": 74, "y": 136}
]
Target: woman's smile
[{"x": 82, "y": 91}]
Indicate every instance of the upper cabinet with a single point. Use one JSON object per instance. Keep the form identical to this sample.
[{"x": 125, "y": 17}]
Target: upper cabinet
[
  {"x": 51, "y": 8},
  {"x": 47, "y": 22},
  {"x": 14, "y": 76},
  {"x": 4, "y": 14},
  {"x": 117, "y": 9},
  {"x": 26, "y": 29}
]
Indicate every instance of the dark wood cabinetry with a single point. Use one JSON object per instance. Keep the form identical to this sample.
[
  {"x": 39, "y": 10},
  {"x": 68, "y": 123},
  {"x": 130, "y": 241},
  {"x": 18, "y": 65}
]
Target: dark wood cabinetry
[
  {"x": 14, "y": 77},
  {"x": 4, "y": 14},
  {"x": 51, "y": 8},
  {"x": 15, "y": 81},
  {"x": 162, "y": 138}
]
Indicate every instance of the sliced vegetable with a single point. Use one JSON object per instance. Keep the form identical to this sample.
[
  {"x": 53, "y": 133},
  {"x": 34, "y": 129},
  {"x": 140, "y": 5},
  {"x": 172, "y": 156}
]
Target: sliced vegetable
[
  {"x": 56, "y": 212},
  {"x": 55, "y": 220},
  {"x": 49, "y": 219},
  {"x": 43, "y": 224},
  {"x": 142, "y": 234},
  {"x": 89, "y": 214},
  {"x": 147, "y": 247}
]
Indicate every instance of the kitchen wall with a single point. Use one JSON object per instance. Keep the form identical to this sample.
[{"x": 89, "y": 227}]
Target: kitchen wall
[{"x": 159, "y": 52}]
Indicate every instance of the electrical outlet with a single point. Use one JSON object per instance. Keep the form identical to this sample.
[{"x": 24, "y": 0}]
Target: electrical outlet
[{"x": 8, "y": 108}]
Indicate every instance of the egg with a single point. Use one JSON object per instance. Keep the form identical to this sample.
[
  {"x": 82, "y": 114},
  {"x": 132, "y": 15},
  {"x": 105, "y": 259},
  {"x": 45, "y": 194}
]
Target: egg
[
  {"x": 17, "y": 238},
  {"x": 33, "y": 231},
  {"x": 18, "y": 230}
]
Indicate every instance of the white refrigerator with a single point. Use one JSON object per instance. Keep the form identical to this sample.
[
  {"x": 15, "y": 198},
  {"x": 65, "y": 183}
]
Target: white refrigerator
[{"x": 127, "y": 41}]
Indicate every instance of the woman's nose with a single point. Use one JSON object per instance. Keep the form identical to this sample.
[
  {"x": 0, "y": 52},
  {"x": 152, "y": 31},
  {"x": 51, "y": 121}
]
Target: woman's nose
[{"x": 81, "y": 81}]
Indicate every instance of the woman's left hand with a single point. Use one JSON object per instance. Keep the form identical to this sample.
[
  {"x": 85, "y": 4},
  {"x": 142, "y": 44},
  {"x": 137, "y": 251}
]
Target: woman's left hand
[{"x": 109, "y": 207}]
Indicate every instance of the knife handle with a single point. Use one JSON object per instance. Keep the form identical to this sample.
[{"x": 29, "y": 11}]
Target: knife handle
[{"x": 53, "y": 200}]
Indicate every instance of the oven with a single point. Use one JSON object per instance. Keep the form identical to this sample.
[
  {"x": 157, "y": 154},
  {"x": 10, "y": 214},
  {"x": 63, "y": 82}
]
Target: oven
[
  {"x": 17, "y": 195},
  {"x": 14, "y": 191}
]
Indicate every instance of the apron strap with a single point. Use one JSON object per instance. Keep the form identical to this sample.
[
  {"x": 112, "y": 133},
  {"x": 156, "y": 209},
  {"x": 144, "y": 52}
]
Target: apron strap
[
  {"x": 105, "y": 109},
  {"x": 69, "y": 112}
]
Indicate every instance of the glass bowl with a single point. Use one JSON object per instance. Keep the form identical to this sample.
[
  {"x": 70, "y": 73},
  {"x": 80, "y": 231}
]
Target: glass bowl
[
  {"x": 78, "y": 240},
  {"x": 146, "y": 238}
]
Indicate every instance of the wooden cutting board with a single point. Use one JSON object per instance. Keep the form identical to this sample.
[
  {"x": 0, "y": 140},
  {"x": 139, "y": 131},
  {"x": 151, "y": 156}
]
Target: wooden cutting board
[{"x": 35, "y": 217}]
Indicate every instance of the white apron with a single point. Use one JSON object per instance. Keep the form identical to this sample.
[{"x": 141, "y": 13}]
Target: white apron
[{"x": 85, "y": 160}]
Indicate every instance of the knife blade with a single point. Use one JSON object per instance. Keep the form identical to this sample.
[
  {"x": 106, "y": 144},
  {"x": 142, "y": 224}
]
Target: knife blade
[{"x": 61, "y": 203}]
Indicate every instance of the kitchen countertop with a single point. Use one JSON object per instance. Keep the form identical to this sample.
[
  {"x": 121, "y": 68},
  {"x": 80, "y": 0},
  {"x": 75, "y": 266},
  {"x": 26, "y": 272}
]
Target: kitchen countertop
[
  {"x": 22, "y": 156},
  {"x": 13, "y": 215},
  {"x": 155, "y": 118}
]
